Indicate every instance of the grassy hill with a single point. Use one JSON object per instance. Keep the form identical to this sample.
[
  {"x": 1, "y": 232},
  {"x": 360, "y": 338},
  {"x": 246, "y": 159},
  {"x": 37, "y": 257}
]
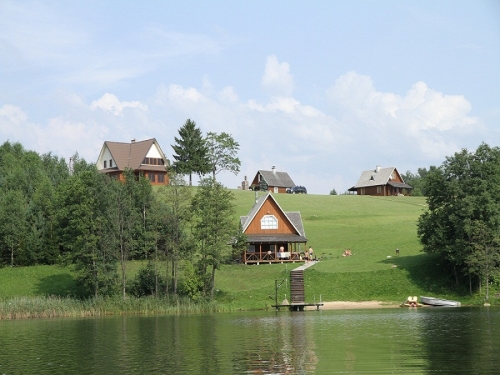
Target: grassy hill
[{"x": 372, "y": 227}]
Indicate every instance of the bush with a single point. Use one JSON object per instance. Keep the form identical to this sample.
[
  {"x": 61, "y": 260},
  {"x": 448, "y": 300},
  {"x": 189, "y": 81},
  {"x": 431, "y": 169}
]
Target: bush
[
  {"x": 146, "y": 281},
  {"x": 191, "y": 284}
]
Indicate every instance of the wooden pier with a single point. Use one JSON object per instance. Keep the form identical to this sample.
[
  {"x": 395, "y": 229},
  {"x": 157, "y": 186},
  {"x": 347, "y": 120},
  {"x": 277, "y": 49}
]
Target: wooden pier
[{"x": 297, "y": 293}]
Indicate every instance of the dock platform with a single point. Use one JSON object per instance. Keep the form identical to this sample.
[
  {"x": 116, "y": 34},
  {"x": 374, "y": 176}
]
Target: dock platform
[{"x": 299, "y": 306}]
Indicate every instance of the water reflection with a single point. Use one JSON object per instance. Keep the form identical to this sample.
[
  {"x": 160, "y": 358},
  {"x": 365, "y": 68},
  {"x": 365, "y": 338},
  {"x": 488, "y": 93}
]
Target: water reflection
[{"x": 386, "y": 341}]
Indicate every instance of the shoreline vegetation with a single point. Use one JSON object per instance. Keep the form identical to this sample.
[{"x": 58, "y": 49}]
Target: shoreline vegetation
[
  {"x": 372, "y": 227},
  {"x": 67, "y": 307}
]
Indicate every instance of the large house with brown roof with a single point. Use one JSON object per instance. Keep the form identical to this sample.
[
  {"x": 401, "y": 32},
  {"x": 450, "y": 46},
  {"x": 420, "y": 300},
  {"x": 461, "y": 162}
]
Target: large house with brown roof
[
  {"x": 382, "y": 182},
  {"x": 143, "y": 157},
  {"x": 268, "y": 229},
  {"x": 277, "y": 182}
]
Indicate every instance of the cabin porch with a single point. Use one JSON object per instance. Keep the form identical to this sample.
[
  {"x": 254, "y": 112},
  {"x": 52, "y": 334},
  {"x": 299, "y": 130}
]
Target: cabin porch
[{"x": 270, "y": 253}]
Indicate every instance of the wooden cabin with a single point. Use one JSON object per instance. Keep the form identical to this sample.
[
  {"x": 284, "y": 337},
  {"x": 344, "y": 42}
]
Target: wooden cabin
[
  {"x": 381, "y": 182},
  {"x": 275, "y": 182},
  {"x": 268, "y": 228},
  {"x": 144, "y": 157}
]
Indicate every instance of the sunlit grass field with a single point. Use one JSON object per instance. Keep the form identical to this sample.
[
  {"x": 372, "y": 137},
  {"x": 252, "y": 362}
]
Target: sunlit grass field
[{"x": 372, "y": 227}]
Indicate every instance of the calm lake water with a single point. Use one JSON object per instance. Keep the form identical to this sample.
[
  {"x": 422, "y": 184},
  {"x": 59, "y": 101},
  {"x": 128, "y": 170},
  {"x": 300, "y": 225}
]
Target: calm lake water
[{"x": 380, "y": 341}]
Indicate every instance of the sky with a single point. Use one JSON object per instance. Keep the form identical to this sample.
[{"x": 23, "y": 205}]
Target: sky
[{"x": 322, "y": 90}]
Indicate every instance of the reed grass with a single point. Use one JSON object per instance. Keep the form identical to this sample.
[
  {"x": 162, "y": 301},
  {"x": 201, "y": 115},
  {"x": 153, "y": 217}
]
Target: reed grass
[{"x": 58, "y": 307}]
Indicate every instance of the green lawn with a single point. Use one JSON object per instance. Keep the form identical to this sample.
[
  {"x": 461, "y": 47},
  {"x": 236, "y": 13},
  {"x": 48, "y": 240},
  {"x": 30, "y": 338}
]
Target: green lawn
[{"x": 372, "y": 227}]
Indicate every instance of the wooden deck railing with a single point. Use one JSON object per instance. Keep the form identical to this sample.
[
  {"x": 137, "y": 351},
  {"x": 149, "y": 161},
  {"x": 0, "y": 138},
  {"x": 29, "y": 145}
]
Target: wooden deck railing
[{"x": 271, "y": 257}]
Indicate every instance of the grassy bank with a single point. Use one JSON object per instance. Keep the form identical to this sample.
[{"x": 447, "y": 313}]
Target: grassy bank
[{"x": 372, "y": 227}]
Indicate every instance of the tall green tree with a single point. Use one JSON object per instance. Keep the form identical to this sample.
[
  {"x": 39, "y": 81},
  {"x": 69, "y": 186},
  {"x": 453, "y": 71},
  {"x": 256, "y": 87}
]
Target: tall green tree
[
  {"x": 463, "y": 218},
  {"x": 177, "y": 241},
  {"x": 81, "y": 215},
  {"x": 222, "y": 153},
  {"x": 214, "y": 227},
  {"x": 12, "y": 225},
  {"x": 417, "y": 180},
  {"x": 127, "y": 215},
  {"x": 190, "y": 151}
]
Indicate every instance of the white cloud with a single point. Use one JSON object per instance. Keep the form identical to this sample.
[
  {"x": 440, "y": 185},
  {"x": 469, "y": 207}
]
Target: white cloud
[
  {"x": 12, "y": 114},
  {"x": 422, "y": 121},
  {"x": 277, "y": 79},
  {"x": 109, "y": 102}
]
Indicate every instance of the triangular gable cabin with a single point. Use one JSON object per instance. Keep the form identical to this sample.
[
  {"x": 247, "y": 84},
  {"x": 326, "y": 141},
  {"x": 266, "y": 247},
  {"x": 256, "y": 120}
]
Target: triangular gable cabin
[
  {"x": 268, "y": 228},
  {"x": 144, "y": 157},
  {"x": 381, "y": 182},
  {"x": 277, "y": 182}
]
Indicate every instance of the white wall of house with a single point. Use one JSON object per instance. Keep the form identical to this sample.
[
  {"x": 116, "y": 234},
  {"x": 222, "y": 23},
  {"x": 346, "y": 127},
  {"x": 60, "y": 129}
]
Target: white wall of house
[
  {"x": 106, "y": 155},
  {"x": 154, "y": 152}
]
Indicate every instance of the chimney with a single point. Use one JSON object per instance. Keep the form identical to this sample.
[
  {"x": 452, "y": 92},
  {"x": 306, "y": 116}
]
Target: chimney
[
  {"x": 377, "y": 169},
  {"x": 274, "y": 169},
  {"x": 133, "y": 140}
]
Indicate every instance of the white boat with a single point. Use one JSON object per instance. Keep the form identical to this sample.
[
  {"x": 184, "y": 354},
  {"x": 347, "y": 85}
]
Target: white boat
[{"x": 439, "y": 302}]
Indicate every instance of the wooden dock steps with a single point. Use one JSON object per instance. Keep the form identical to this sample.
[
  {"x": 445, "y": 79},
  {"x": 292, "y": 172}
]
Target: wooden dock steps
[{"x": 297, "y": 287}]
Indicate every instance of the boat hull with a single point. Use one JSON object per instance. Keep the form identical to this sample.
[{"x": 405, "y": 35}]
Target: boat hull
[{"x": 439, "y": 302}]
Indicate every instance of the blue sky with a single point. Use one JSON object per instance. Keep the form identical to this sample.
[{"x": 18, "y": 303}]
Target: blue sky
[{"x": 322, "y": 89}]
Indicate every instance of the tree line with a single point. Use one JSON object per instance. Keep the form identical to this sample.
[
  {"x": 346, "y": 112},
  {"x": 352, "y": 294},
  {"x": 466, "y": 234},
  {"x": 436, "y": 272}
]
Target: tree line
[
  {"x": 462, "y": 223},
  {"x": 53, "y": 214}
]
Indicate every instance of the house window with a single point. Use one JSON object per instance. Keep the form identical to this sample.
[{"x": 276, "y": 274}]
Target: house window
[
  {"x": 276, "y": 189},
  {"x": 269, "y": 222},
  {"x": 110, "y": 163},
  {"x": 161, "y": 178},
  {"x": 105, "y": 165},
  {"x": 151, "y": 177},
  {"x": 379, "y": 189}
]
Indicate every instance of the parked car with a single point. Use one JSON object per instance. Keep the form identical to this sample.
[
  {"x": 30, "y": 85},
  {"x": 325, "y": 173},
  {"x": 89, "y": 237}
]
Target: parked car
[{"x": 297, "y": 190}]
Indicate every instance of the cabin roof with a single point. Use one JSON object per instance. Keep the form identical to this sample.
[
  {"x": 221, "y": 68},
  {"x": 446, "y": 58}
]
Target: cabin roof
[
  {"x": 294, "y": 217},
  {"x": 131, "y": 155},
  {"x": 279, "y": 179}
]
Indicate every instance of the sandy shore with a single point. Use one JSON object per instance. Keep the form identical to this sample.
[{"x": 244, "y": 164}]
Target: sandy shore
[{"x": 339, "y": 305}]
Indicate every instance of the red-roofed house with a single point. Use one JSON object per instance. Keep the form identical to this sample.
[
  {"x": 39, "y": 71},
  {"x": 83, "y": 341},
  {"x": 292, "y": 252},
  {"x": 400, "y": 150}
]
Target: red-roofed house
[{"x": 144, "y": 157}]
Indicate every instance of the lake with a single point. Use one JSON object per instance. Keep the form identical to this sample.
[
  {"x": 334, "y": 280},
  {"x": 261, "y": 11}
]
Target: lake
[{"x": 375, "y": 341}]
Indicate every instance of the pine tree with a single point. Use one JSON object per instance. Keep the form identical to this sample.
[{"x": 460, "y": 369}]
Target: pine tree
[{"x": 190, "y": 151}]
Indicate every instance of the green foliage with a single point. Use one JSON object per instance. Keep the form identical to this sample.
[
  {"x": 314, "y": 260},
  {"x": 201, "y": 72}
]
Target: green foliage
[
  {"x": 81, "y": 217},
  {"x": 417, "y": 181},
  {"x": 239, "y": 244},
  {"x": 214, "y": 226},
  {"x": 192, "y": 283},
  {"x": 148, "y": 282},
  {"x": 462, "y": 225},
  {"x": 222, "y": 151},
  {"x": 13, "y": 212},
  {"x": 333, "y": 192},
  {"x": 191, "y": 152},
  {"x": 26, "y": 176}
]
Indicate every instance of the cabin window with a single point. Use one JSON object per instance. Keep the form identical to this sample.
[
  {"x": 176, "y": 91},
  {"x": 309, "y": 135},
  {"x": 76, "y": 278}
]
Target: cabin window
[
  {"x": 251, "y": 249},
  {"x": 105, "y": 165},
  {"x": 110, "y": 163},
  {"x": 379, "y": 189},
  {"x": 161, "y": 178},
  {"x": 151, "y": 177},
  {"x": 153, "y": 161},
  {"x": 269, "y": 222}
]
